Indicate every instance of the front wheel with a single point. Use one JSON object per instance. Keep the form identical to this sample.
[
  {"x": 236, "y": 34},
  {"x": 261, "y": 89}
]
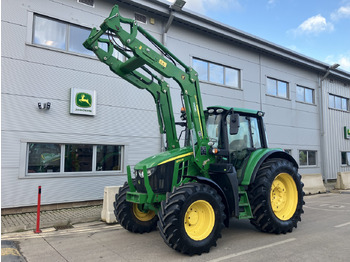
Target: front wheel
[
  {"x": 276, "y": 197},
  {"x": 191, "y": 218},
  {"x": 132, "y": 216}
]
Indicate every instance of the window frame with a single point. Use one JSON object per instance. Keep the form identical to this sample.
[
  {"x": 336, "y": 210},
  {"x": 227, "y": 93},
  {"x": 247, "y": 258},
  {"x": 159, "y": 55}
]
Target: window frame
[
  {"x": 67, "y": 35},
  {"x": 307, "y": 158},
  {"x": 287, "y": 97},
  {"x": 31, "y": 32},
  {"x": 304, "y": 95},
  {"x": 224, "y": 79},
  {"x": 62, "y": 173},
  {"x": 334, "y": 107}
]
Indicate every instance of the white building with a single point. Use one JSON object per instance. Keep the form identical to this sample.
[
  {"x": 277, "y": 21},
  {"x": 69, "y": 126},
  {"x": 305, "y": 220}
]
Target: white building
[{"x": 74, "y": 156}]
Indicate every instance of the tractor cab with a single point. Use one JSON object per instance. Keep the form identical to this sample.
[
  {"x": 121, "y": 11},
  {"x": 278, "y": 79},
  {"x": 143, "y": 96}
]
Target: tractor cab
[{"x": 235, "y": 133}]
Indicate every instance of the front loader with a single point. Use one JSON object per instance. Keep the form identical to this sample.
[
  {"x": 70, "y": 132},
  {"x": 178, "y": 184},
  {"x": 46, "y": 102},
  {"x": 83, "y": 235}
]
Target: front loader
[{"x": 225, "y": 168}]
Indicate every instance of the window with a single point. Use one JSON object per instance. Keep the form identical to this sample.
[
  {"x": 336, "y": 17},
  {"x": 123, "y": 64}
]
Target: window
[
  {"x": 215, "y": 73},
  {"x": 87, "y": 2},
  {"x": 307, "y": 158},
  {"x": 141, "y": 18},
  {"x": 338, "y": 102},
  {"x": 288, "y": 151},
  {"x": 60, "y": 35},
  {"x": 305, "y": 94},
  {"x": 345, "y": 158},
  {"x": 44, "y": 158},
  {"x": 277, "y": 88},
  {"x": 49, "y": 32},
  {"x": 67, "y": 158}
]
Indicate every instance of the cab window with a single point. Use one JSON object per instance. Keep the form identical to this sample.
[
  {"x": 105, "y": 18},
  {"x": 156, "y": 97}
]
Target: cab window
[
  {"x": 242, "y": 139},
  {"x": 255, "y": 132}
]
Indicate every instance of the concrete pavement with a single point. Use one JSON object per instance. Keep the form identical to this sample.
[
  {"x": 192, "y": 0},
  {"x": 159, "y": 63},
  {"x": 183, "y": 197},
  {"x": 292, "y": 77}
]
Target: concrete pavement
[{"x": 322, "y": 235}]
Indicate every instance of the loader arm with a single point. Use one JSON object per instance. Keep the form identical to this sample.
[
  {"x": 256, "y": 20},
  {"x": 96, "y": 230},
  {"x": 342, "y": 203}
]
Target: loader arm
[{"x": 138, "y": 59}]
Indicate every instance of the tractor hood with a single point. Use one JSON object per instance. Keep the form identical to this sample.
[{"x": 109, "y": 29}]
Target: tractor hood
[{"x": 164, "y": 157}]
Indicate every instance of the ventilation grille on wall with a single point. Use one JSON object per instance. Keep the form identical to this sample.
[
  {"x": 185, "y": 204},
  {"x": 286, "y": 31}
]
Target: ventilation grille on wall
[
  {"x": 87, "y": 2},
  {"x": 141, "y": 18}
]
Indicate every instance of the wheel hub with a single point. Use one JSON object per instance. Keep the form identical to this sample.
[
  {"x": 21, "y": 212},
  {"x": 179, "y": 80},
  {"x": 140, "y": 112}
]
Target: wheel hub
[
  {"x": 284, "y": 196},
  {"x": 199, "y": 220},
  {"x": 142, "y": 215},
  {"x": 192, "y": 217}
]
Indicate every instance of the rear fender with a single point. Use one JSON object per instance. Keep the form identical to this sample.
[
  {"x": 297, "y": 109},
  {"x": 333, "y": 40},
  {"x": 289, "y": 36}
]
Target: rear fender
[{"x": 260, "y": 156}]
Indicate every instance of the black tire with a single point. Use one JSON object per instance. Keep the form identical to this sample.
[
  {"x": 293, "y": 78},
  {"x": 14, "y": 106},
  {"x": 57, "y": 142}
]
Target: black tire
[
  {"x": 276, "y": 214},
  {"x": 205, "y": 213},
  {"x": 130, "y": 216}
]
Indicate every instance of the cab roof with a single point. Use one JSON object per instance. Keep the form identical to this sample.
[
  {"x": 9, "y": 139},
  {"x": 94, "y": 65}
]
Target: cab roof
[{"x": 237, "y": 109}]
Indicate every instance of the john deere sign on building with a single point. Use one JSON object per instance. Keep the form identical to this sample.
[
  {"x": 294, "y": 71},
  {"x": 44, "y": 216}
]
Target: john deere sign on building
[
  {"x": 83, "y": 102},
  {"x": 347, "y": 132}
]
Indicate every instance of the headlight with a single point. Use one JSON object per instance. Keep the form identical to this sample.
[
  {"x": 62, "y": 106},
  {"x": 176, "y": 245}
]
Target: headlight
[
  {"x": 151, "y": 170},
  {"x": 140, "y": 173},
  {"x": 134, "y": 174}
]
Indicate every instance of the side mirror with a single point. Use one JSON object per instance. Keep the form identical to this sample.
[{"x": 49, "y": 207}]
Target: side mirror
[{"x": 234, "y": 124}]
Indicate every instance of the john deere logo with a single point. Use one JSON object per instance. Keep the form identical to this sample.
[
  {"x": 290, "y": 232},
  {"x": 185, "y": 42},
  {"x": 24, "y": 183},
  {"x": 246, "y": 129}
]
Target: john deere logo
[
  {"x": 347, "y": 132},
  {"x": 83, "y": 100}
]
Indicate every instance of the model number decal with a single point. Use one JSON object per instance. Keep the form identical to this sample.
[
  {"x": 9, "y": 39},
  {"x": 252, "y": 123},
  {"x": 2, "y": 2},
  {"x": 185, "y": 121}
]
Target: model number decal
[{"x": 162, "y": 63}]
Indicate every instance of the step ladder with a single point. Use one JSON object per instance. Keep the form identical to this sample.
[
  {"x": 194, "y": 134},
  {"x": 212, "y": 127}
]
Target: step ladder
[{"x": 245, "y": 211}]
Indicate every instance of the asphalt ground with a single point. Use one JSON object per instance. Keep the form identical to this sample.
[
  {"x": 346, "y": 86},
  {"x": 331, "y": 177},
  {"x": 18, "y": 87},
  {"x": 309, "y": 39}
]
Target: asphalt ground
[{"x": 322, "y": 235}]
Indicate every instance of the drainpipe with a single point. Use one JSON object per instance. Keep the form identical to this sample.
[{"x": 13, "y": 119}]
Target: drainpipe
[
  {"x": 176, "y": 7},
  {"x": 322, "y": 115}
]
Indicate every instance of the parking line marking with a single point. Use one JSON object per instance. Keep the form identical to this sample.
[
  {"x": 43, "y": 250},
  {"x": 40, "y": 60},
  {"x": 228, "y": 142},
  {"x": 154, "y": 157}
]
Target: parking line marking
[
  {"x": 10, "y": 251},
  {"x": 252, "y": 250},
  {"x": 342, "y": 225}
]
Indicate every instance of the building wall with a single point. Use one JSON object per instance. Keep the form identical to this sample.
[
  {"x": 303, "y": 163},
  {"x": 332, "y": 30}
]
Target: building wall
[
  {"x": 125, "y": 115},
  {"x": 31, "y": 74},
  {"x": 334, "y": 122}
]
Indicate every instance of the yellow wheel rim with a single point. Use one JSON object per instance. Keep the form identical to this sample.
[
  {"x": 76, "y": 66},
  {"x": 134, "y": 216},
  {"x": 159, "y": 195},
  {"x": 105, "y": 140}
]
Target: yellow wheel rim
[
  {"x": 142, "y": 216},
  {"x": 284, "y": 196},
  {"x": 199, "y": 220}
]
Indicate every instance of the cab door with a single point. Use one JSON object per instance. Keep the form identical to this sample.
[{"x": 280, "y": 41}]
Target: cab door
[{"x": 242, "y": 144}]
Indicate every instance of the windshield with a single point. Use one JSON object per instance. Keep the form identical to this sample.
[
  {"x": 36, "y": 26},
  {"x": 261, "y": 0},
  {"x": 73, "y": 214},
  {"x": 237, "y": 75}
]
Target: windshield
[{"x": 213, "y": 127}]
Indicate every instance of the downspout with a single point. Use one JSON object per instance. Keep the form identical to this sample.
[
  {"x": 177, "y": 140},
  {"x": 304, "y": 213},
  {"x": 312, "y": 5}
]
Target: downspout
[{"x": 322, "y": 116}]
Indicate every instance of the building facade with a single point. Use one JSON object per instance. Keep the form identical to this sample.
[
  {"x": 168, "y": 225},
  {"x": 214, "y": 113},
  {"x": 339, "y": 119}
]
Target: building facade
[{"x": 71, "y": 126}]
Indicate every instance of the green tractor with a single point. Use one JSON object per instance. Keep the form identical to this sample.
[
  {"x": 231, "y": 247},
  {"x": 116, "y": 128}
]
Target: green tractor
[{"x": 224, "y": 168}]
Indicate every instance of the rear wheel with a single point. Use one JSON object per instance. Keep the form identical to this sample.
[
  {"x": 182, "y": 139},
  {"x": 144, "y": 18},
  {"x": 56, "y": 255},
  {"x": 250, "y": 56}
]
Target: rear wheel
[
  {"x": 276, "y": 197},
  {"x": 191, "y": 218},
  {"x": 132, "y": 216}
]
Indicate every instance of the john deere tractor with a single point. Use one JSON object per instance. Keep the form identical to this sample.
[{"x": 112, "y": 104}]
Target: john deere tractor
[{"x": 224, "y": 168}]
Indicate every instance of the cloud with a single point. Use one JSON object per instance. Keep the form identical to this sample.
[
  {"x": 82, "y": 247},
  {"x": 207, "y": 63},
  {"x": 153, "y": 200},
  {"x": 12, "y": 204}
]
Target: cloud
[
  {"x": 271, "y": 2},
  {"x": 314, "y": 26},
  {"x": 342, "y": 12},
  {"x": 342, "y": 59}
]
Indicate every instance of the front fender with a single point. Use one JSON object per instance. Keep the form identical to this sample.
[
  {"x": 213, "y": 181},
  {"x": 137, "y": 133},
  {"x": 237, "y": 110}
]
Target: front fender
[{"x": 218, "y": 189}]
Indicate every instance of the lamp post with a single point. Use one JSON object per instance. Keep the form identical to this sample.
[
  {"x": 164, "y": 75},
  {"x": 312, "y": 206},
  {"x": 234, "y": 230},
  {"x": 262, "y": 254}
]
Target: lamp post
[
  {"x": 334, "y": 66},
  {"x": 176, "y": 6},
  {"x": 322, "y": 120}
]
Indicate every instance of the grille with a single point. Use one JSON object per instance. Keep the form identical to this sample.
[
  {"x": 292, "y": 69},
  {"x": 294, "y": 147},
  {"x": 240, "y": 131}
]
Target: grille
[{"x": 160, "y": 181}]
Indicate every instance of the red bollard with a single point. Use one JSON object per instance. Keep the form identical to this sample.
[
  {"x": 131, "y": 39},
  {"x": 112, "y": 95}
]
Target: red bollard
[{"x": 37, "y": 231}]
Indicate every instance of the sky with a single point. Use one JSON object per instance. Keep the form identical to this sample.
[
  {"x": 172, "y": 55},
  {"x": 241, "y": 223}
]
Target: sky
[{"x": 319, "y": 29}]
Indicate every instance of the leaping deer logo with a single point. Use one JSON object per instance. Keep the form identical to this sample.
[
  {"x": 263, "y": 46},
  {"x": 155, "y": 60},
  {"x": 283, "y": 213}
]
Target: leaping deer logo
[{"x": 83, "y": 100}]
